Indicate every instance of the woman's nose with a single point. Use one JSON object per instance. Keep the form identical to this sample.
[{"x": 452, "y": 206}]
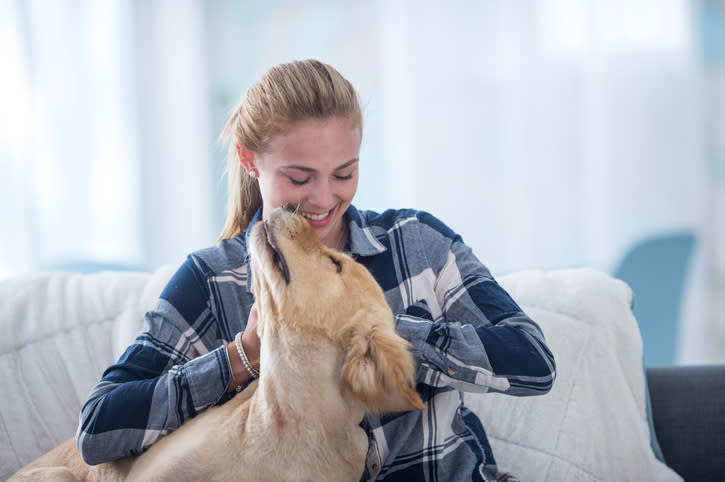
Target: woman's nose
[{"x": 322, "y": 194}]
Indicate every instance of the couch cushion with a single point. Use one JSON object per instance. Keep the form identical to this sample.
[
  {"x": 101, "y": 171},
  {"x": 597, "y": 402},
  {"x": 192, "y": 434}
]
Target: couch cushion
[
  {"x": 593, "y": 423},
  {"x": 60, "y": 332}
]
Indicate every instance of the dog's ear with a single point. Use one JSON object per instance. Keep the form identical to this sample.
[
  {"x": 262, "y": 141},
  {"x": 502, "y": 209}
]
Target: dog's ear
[{"x": 378, "y": 369}]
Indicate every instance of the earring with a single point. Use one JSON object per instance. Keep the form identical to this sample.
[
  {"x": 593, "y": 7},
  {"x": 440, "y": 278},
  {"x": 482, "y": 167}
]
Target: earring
[{"x": 253, "y": 173}]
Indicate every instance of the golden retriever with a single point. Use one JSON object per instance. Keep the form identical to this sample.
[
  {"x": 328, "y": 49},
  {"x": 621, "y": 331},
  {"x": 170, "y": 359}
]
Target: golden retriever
[{"x": 329, "y": 354}]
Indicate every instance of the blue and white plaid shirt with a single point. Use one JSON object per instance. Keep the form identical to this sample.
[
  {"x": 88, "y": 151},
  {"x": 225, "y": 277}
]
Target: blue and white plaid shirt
[{"x": 467, "y": 335}]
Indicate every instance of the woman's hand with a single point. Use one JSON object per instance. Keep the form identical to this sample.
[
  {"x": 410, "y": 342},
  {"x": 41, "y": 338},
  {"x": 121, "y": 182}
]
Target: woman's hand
[
  {"x": 251, "y": 344},
  {"x": 250, "y": 337}
]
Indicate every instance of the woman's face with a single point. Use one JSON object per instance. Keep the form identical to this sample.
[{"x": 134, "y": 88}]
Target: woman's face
[{"x": 313, "y": 166}]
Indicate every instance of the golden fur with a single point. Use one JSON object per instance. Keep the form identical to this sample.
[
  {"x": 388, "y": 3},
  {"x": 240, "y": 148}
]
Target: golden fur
[{"x": 329, "y": 354}]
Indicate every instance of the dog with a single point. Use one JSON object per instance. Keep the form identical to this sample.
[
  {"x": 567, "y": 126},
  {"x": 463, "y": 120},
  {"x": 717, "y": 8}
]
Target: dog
[{"x": 329, "y": 354}]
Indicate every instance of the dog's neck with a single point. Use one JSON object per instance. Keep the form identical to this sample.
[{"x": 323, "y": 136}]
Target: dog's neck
[{"x": 300, "y": 381}]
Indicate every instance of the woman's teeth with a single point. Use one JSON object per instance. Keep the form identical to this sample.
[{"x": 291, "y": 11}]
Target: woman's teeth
[{"x": 315, "y": 217}]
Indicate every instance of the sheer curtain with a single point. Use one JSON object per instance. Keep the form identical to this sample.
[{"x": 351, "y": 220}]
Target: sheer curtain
[
  {"x": 70, "y": 156},
  {"x": 106, "y": 156},
  {"x": 571, "y": 129},
  {"x": 549, "y": 133}
]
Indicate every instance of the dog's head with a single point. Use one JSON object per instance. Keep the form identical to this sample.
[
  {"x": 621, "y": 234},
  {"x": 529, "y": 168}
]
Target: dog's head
[{"x": 301, "y": 283}]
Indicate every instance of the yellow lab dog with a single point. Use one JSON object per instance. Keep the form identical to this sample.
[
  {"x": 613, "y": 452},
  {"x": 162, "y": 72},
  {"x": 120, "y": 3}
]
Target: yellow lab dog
[{"x": 329, "y": 354}]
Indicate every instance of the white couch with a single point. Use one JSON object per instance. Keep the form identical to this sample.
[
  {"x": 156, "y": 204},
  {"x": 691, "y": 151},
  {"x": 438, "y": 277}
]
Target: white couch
[{"x": 61, "y": 330}]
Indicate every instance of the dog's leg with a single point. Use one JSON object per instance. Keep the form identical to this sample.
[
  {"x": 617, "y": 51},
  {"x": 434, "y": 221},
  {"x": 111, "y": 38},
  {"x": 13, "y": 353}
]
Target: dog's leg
[
  {"x": 378, "y": 369},
  {"x": 55, "y": 474},
  {"x": 61, "y": 463}
]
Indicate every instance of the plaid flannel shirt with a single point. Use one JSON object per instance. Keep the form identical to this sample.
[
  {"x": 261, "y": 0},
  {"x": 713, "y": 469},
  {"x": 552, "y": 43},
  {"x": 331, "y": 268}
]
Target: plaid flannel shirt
[{"x": 466, "y": 332}]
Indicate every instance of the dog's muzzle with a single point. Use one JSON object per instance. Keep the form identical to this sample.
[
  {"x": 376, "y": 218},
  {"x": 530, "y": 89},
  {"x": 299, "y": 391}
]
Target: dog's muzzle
[{"x": 277, "y": 257}]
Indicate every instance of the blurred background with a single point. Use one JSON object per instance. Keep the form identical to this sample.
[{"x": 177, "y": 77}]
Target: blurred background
[{"x": 549, "y": 133}]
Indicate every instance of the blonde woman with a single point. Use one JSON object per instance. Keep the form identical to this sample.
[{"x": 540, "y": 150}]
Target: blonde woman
[{"x": 294, "y": 140}]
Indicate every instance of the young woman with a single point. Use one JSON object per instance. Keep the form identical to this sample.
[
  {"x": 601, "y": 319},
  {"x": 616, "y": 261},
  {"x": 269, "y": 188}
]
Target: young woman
[{"x": 295, "y": 140}]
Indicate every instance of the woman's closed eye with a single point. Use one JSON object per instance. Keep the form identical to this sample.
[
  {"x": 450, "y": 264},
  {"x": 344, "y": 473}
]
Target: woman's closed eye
[
  {"x": 299, "y": 182},
  {"x": 302, "y": 182}
]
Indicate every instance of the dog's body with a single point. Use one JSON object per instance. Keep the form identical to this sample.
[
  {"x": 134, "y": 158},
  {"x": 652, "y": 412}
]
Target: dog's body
[{"x": 329, "y": 354}]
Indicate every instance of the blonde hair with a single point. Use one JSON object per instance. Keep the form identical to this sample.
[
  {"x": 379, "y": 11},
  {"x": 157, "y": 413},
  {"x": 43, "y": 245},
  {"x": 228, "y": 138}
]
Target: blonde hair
[{"x": 286, "y": 93}]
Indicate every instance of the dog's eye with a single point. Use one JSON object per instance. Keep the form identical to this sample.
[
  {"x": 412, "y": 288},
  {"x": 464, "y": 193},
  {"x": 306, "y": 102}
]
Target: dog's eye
[{"x": 338, "y": 265}]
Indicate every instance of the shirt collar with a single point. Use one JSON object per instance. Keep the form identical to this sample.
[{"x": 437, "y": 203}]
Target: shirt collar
[{"x": 362, "y": 241}]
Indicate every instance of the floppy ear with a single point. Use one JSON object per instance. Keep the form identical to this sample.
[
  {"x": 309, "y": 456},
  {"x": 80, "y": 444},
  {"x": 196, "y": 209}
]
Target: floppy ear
[{"x": 378, "y": 369}]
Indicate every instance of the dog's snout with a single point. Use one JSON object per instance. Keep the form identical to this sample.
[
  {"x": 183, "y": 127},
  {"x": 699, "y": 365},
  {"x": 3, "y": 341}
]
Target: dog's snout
[{"x": 277, "y": 257}]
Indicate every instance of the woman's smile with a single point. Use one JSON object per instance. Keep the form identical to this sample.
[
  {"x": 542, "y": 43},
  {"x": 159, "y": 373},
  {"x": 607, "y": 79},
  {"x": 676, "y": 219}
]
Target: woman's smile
[{"x": 318, "y": 220}]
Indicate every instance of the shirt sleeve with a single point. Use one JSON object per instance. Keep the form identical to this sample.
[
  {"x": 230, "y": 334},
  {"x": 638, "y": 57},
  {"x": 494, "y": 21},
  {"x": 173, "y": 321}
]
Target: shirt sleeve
[
  {"x": 166, "y": 376},
  {"x": 476, "y": 338}
]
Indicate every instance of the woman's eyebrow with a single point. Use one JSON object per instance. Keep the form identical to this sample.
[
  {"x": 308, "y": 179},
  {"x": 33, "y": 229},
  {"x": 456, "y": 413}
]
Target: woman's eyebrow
[{"x": 309, "y": 169}]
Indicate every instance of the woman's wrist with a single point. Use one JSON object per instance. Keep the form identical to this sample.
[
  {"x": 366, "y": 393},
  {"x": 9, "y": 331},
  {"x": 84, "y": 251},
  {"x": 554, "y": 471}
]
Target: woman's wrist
[
  {"x": 242, "y": 364},
  {"x": 239, "y": 375},
  {"x": 243, "y": 356}
]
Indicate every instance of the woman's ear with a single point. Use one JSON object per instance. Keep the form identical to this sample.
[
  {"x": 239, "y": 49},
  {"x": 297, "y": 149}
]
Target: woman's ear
[{"x": 246, "y": 158}]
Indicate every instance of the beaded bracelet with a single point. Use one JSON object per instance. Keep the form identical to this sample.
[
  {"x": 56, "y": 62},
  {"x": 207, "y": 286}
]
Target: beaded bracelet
[{"x": 243, "y": 356}]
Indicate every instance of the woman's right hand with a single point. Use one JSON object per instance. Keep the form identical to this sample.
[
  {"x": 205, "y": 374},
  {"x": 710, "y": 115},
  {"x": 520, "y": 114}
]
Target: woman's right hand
[
  {"x": 250, "y": 337},
  {"x": 251, "y": 344}
]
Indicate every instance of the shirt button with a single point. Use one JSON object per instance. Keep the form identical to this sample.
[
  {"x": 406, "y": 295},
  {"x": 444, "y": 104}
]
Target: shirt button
[{"x": 451, "y": 371}]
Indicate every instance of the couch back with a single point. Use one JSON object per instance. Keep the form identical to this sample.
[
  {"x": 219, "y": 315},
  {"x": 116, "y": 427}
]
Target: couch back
[{"x": 62, "y": 330}]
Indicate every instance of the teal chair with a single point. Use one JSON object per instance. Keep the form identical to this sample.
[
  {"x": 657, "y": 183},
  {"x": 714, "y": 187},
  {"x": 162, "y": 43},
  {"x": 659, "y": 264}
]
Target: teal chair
[{"x": 656, "y": 270}]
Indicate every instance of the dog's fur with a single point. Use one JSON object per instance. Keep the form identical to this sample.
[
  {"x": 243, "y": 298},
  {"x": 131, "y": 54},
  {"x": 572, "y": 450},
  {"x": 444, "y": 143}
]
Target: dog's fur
[{"x": 329, "y": 354}]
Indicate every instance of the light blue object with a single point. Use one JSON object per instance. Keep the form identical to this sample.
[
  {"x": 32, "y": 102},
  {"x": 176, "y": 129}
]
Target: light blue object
[
  {"x": 89, "y": 266},
  {"x": 656, "y": 270}
]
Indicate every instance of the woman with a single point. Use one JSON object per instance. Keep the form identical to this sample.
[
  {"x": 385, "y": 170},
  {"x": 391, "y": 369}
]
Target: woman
[{"x": 294, "y": 140}]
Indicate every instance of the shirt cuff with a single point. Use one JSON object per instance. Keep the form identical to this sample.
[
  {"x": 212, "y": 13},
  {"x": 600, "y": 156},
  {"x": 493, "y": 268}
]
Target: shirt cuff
[
  {"x": 208, "y": 378},
  {"x": 415, "y": 330}
]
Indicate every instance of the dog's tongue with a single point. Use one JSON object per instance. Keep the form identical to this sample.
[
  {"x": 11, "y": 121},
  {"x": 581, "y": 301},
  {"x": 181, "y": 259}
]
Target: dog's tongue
[{"x": 277, "y": 256}]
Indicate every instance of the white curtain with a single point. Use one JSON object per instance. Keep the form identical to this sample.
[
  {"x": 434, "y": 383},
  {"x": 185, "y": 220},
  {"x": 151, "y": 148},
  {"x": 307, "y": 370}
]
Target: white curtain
[
  {"x": 70, "y": 156},
  {"x": 549, "y": 133},
  {"x": 571, "y": 128},
  {"x": 106, "y": 148}
]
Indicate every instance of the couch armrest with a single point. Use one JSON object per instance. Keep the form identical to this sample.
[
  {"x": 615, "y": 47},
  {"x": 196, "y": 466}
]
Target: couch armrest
[{"x": 688, "y": 410}]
